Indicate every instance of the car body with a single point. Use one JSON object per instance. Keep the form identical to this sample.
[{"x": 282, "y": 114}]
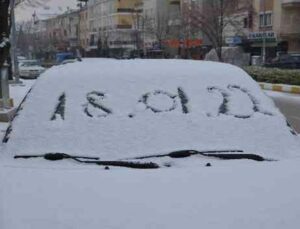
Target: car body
[
  {"x": 139, "y": 111},
  {"x": 30, "y": 69},
  {"x": 63, "y": 56},
  {"x": 67, "y": 61},
  {"x": 288, "y": 61}
]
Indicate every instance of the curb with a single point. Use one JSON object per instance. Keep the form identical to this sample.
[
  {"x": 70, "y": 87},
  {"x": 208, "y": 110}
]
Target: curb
[{"x": 280, "y": 88}]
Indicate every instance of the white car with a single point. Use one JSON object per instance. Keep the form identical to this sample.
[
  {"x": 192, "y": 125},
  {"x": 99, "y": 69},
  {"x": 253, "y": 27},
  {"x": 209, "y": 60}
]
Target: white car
[
  {"x": 134, "y": 144},
  {"x": 30, "y": 69}
]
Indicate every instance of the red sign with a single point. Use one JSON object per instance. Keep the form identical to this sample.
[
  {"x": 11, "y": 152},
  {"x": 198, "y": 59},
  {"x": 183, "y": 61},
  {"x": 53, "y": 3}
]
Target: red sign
[{"x": 190, "y": 43}]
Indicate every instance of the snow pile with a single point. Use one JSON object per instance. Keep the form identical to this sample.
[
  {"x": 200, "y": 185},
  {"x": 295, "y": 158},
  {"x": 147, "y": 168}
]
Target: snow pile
[{"x": 129, "y": 108}]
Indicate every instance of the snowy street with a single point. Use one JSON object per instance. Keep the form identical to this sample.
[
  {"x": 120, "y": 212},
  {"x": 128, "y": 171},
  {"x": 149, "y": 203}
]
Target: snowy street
[{"x": 289, "y": 105}]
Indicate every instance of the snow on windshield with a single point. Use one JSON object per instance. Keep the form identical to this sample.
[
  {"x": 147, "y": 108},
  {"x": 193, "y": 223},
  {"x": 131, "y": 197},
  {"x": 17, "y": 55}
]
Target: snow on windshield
[{"x": 128, "y": 108}]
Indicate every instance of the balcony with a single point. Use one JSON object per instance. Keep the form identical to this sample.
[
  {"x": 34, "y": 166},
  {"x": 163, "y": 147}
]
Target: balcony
[{"x": 290, "y": 3}]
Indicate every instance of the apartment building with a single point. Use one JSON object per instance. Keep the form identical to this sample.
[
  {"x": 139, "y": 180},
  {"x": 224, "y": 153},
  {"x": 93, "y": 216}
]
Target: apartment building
[
  {"x": 157, "y": 19},
  {"x": 163, "y": 27},
  {"x": 270, "y": 29},
  {"x": 112, "y": 25},
  {"x": 63, "y": 31},
  {"x": 289, "y": 31}
]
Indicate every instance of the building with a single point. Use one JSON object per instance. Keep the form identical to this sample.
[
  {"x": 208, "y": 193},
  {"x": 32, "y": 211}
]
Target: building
[
  {"x": 156, "y": 17},
  {"x": 164, "y": 27},
  {"x": 270, "y": 29},
  {"x": 112, "y": 26},
  {"x": 63, "y": 31},
  {"x": 290, "y": 21}
]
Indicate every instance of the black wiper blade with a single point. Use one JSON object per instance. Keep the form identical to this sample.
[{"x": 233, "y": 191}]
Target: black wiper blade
[
  {"x": 127, "y": 164},
  {"x": 55, "y": 157},
  {"x": 91, "y": 160},
  {"x": 221, "y": 154}
]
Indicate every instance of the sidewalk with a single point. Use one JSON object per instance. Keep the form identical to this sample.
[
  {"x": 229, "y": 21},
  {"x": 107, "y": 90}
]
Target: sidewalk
[{"x": 17, "y": 93}]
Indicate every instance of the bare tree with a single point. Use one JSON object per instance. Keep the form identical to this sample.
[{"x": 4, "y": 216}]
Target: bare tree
[
  {"x": 5, "y": 23},
  {"x": 212, "y": 17},
  {"x": 156, "y": 27}
]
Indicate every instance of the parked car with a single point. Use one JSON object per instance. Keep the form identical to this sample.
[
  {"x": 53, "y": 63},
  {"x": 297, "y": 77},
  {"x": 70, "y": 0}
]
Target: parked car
[
  {"x": 30, "y": 69},
  {"x": 68, "y": 61},
  {"x": 135, "y": 144},
  {"x": 288, "y": 61},
  {"x": 65, "y": 56}
]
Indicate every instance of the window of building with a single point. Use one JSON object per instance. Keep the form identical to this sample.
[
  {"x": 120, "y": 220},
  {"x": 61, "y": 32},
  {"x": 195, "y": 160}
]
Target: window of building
[
  {"x": 245, "y": 22},
  {"x": 265, "y": 19}
]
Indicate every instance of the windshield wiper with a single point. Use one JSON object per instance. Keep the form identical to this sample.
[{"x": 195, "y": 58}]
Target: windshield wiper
[
  {"x": 91, "y": 160},
  {"x": 221, "y": 154},
  {"x": 56, "y": 157}
]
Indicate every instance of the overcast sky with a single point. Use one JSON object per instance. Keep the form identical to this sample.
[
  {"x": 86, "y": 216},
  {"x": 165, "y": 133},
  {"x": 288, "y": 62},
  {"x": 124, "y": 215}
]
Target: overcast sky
[{"x": 48, "y": 8}]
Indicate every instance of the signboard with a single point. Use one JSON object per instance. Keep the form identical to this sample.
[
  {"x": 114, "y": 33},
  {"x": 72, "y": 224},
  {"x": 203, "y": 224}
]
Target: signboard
[
  {"x": 270, "y": 36},
  {"x": 235, "y": 40},
  {"x": 189, "y": 43}
]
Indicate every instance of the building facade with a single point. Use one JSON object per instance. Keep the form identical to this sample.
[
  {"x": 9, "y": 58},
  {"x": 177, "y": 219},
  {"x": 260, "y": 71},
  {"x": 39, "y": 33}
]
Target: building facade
[
  {"x": 270, "y": 29},
  {"x": 63, "y": 31},
  {"x": 112, "y": 25}
]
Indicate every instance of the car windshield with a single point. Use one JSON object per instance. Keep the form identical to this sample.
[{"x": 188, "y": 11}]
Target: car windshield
[
  {"x": 30, "y": 63},
  {"x": 295, "y": 57}
]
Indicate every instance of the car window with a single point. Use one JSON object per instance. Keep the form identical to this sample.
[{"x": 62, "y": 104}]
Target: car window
[
  {"x": 295, "y": 58},
  {"x": 284, "y": 58},
  {"x": 132, "y": 108},
  {"x": 29, "y": 64}
]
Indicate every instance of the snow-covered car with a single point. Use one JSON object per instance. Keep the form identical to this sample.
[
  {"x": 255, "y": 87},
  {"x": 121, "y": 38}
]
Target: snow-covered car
[
  {"x": 134, "y": 144},
  {"x": 30, "y": 69}
]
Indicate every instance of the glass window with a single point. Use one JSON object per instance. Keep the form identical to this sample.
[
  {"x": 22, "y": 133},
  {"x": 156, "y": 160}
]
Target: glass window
[{"x": 265, "y": 19}]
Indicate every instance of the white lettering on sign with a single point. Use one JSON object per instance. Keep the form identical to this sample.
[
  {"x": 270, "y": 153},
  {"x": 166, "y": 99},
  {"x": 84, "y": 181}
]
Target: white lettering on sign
[{"x": 260, "y": 35}]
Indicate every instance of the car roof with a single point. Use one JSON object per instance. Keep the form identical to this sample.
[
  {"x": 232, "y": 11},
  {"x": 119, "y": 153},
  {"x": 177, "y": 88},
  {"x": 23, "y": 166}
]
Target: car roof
[{"x": 126, "y": 108}]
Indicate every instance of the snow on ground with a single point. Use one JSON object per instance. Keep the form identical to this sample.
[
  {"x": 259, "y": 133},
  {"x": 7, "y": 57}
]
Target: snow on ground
[
  {"x": 17, "y": 92},
  {"x": 118, "y": 109}
]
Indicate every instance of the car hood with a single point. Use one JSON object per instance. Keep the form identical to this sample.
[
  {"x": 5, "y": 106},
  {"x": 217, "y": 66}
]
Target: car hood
[{"x": 231, "y": 195}]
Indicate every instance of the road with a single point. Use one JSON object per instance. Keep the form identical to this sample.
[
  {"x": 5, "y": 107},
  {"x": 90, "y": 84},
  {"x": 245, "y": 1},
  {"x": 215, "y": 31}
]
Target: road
[{"x": 289, "y": 104}]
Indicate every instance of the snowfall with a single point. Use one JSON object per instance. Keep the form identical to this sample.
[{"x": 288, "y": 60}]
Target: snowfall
[{"x": 120, "y": 109}]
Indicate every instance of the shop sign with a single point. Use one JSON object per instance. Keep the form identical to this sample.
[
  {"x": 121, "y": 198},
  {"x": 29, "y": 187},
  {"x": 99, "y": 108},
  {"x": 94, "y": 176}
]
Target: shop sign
[
  {"x": 235, "y": 40},
  {"x": 190, "y": 43},
  {"x": 269, "y": 36}
]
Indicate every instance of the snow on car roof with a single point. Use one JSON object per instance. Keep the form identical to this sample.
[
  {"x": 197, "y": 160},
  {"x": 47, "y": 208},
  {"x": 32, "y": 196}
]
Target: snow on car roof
[{"x": 126, "y": 108}]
